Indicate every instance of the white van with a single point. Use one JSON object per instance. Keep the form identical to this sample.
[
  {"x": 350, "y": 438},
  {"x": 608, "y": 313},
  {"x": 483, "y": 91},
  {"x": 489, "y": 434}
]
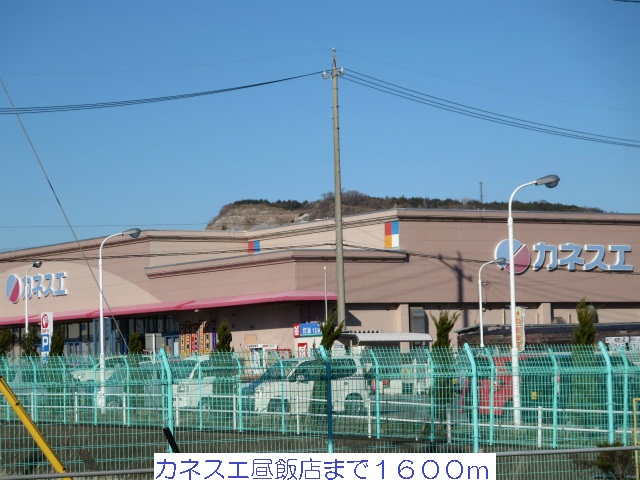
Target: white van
[
  {"x": 295, "y": 394},
  {"x": 198, "y": 382}
]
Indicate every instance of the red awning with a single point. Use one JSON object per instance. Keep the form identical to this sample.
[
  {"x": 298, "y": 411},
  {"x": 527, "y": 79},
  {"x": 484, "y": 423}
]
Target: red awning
[
  {"x": 34, "y": 319},
  {"x": 95, "y": 313},
  {"x": 275, "y": 297},
  {"x": 144, "y": 308}
]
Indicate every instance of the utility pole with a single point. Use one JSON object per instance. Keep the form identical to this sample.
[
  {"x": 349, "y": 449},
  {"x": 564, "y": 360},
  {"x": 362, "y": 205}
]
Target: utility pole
[{"x": 335, "y": 73}]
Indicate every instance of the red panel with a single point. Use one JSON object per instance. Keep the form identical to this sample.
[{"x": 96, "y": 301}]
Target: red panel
[{"x": 290, "y": 296}]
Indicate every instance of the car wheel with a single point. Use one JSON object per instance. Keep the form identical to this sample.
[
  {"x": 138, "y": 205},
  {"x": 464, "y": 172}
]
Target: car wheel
[
  {"x": 206, "y": 404},
  {"x": 275, "y": 406}
]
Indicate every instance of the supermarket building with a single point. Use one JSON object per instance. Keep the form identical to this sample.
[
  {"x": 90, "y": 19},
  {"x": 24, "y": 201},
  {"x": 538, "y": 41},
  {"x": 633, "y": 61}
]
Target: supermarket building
[{"x": 273, "y": 286}]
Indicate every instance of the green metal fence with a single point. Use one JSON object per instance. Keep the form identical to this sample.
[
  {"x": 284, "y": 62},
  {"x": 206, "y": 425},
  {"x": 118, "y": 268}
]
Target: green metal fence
[{"x": 111, "y": 415}]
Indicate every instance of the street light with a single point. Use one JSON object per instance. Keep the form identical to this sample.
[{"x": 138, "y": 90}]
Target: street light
[
  {"x": 133, "y": 233},
  {"x": 500, "y": 260},
  {"x": 27, "y": 292},
  {"x": 550, "y": 181}
]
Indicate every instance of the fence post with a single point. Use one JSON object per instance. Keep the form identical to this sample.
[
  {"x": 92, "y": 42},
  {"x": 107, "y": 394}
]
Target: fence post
[
  {"x": 239, "y": 380},
  {"x": 95, "y": 390},
  {"x": 65, "y": 378},
  {"x": 282, "y": 406},
  {"x": 539, "y": 426},
  {"x": 200, "y": 402},
  {"x": 432, "y": 407},
  {"x": 297, "y": 405},
  {"x": 327, "y": 364},
  {"x": 6, "y": 375},
  {"x": 607, "y": 359},
  {"x": 126, "y": 395},
  {"x": 448, "y": 423},
  {"x": 167, "y": 369},
  {"x": 377, "y": 392},
  {"x": 474, "y": 390},
  {"x": 625, "y": 399},
  {"x": 34, "y": 396},
  {"x": 556, "y": 392},
  {"x": 492, "y": 392}
]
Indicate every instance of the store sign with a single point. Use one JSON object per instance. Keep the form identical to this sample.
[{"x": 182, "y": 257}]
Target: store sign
[
  {"x": 46, "y": 332},
  {"x": 311, "y": 329},
  {"x": 41, "y": 285},
  {"x": 634, "y": 343},
  {"x": 520, "y": 328},
  {"x": 196, "y": 338},
  {"x": 616, "y": 340},
  {"x": 611, "y": 258}
]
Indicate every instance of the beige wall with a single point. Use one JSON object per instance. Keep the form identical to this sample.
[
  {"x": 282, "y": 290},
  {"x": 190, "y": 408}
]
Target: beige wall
[{"x": 436, "y": 266}]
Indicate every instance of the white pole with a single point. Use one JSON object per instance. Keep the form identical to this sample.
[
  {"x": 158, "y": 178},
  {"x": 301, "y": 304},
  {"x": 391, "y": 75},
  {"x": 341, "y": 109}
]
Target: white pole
[
  {"x": 550, "y": 181},
  {"x": 133, "y": 233},
  {"x": 27, "y": 294},
  {"x": 514, "y": 341},
  {"x": 480, "y": 304},
  {"x": 497, "y": 260},
  {"x": 480, "y": 301},
  {"x": 101, "y": 396},
  {"x": 326, "y": 307},
  {"x": 102, "y": 301}
]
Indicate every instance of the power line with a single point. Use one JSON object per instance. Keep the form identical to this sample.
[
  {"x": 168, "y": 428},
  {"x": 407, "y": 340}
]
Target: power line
[
  {"x": 369, "y": 82},
  {"x": 497, "y": 114},
  {"x": 46, "y": 176},
  {"x": 475, "y": 84},
  {"x": 441, "y": 103},
  {"x": 124, "y": 103}
]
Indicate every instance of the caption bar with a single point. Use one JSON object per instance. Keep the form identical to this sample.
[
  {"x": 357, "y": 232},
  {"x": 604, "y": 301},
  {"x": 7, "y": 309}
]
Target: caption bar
[{"x": 324, "y": 466}]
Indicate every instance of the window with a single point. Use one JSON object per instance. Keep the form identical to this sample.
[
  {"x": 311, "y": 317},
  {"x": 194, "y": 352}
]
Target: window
[
  {"x": 417, "y": 320},
  {"x": 74, "y": 331},
  {"x": 343, "y": 368}
]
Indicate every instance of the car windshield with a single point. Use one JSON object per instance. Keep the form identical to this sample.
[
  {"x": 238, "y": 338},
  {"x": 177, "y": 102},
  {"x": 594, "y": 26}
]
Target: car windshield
[
  {"x": 182, "y": 370},
  {"x": 275, "y": 371},
  {"x": 114, "y": 362}
]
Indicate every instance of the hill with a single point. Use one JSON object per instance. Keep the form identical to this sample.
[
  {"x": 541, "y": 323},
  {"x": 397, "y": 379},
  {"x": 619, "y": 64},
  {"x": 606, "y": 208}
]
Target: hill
[{"x": 244, "y": 215}]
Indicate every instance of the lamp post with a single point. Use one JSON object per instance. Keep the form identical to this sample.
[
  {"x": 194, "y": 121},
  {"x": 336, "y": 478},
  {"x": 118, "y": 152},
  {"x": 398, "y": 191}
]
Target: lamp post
[
  {"x": 550, "y": 181},
  {"x": 27, "y": 292},
  {"x": 497, "y": 260},
  {"x": 133, "y": 233}
]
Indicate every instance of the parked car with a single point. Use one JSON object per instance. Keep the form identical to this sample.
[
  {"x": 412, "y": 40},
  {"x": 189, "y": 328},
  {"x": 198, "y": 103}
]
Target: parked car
[
  {"x": 88, "y": 373},
  {"x": 304, "y": 386},
  {"x": 124, "y": 380},
  {"x": 401, "y": 379},
  {"x": 200, "y": 382},
  {"x": 276, "y": 372}
]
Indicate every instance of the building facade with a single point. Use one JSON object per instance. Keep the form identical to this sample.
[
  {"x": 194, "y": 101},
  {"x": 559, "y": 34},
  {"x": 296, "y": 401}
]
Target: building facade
[{"x": 273, "y": 286}]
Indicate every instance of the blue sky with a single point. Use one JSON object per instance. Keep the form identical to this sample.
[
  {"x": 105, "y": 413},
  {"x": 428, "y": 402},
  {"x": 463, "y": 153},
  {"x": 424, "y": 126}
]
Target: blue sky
[{"x": 569, "y": 64}]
